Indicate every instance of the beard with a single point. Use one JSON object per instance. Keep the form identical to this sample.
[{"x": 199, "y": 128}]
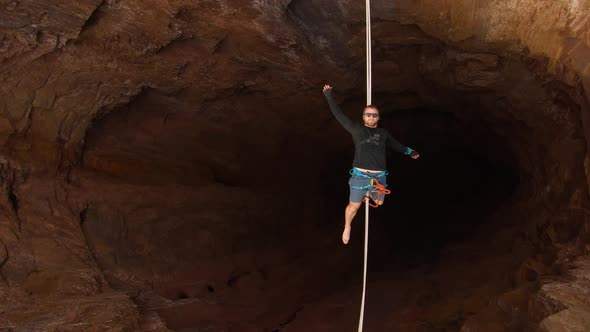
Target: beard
[{"x": 371, "y": 123}]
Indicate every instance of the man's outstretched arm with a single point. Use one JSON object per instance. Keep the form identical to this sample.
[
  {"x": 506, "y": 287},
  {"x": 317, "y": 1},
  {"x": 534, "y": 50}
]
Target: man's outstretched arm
[
  {"x": 397, "y": 146},
  {"x": 338, "y": 114}
]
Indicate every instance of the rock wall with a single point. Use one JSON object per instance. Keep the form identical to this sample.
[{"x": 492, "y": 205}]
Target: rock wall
[{"x": 116, "y": 115}]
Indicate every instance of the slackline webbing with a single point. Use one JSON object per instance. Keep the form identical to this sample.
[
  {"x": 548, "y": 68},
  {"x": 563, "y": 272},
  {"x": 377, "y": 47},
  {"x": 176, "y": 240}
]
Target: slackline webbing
[{"x": 368, "y": 54}]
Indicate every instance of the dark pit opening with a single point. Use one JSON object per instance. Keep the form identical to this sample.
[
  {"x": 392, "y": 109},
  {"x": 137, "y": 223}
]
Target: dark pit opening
[
  {"x": 278, "y": 225},
  {"x": 464, "y": 174}
]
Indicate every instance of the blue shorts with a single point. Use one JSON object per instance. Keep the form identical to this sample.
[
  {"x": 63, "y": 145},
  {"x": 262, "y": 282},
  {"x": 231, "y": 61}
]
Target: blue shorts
[{"x": 356, "y": 195}]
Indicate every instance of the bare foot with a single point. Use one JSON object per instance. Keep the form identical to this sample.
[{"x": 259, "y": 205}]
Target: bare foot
[{"x": 346, "y": 234}]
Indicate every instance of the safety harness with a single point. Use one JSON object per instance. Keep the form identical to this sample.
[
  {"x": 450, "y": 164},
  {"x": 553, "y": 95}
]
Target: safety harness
[{"x": 373, "y": 187}]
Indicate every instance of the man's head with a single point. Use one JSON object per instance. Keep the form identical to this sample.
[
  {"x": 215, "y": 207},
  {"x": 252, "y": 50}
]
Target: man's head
[{"x": 371, "y": 116}]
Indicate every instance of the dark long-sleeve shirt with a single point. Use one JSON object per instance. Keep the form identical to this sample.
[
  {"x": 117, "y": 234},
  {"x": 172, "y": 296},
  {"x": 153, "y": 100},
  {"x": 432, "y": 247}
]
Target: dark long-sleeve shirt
[{"x": 369, "y": 143}]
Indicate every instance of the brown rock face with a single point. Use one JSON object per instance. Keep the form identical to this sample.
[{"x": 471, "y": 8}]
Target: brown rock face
[{"x": 172, "y": 165}]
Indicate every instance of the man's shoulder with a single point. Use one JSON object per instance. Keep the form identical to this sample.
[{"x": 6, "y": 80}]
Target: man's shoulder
[{"x": 384, "y": 132}]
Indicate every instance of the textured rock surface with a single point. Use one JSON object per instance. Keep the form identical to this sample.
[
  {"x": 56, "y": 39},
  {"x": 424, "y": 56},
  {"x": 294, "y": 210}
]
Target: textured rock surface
[
  {"x": 563, "y": 305},
  {"x": 147, "y": 147}
]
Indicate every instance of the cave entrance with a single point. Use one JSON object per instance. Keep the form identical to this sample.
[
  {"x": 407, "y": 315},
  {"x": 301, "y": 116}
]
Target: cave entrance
[
  {"x": 279, "y": 231},
  {"x": 448, "y": 232}
]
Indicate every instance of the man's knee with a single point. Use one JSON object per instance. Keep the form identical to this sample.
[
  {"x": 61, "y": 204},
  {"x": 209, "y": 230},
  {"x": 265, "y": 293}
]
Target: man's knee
[{"x": 353, "y": 206}]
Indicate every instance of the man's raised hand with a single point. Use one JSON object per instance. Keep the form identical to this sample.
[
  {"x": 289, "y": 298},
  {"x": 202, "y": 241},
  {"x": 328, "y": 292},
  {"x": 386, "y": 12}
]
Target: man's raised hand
[{"x": 327, "y": 87}]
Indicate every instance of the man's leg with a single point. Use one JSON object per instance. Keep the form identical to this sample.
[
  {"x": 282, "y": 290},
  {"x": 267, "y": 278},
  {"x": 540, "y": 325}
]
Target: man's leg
[
  {"x": 358, "y": 190},
  {"x": 349, "y": 214}
]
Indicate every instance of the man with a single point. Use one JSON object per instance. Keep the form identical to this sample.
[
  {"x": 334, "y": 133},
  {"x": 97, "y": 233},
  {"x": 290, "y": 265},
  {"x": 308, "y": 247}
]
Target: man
[{"x": 369, "y": 156}]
